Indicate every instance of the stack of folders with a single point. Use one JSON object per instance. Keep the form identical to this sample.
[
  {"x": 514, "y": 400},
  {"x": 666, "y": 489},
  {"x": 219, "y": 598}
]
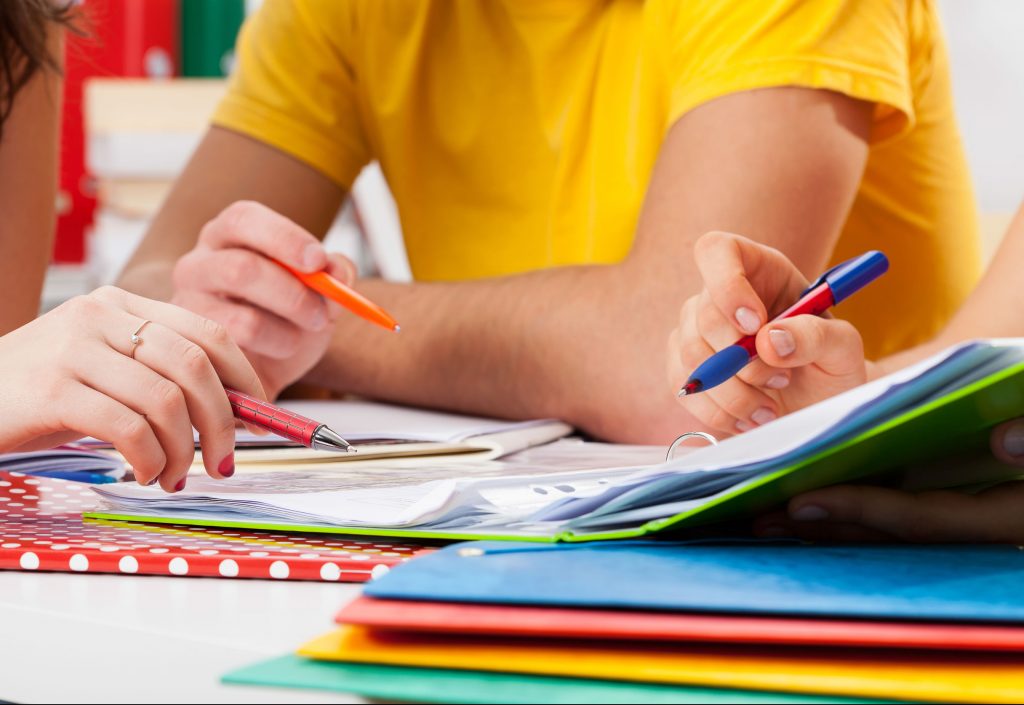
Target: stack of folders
[
  {"x": 649, "y": 621},
  {"x": 926, "y": 426}
]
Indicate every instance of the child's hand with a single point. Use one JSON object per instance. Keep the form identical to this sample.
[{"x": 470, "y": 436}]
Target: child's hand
[{"x": 802, "y": 360}]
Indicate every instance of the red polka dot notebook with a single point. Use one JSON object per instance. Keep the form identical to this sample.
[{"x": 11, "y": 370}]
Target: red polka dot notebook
[{"x": 41, "y": 528}]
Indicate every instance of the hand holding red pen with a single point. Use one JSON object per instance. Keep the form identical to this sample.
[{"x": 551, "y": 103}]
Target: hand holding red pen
[
  {"x": 801, "y": 360},
  {"x": 232, "y": 276}
]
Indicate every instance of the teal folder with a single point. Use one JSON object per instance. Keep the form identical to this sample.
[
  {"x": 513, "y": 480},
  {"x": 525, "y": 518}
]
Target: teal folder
[{"x": 424, "y": 685}]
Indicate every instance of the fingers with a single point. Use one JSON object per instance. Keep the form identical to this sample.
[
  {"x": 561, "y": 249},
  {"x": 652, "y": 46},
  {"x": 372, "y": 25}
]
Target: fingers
[
  {"x": 1007, "y": 442},
  {"x": 155, "y": 398},
  {"x": 253, "y": 226},
  {"x": 832, "y": 345},
  {"x": 241, "y": 275},
  {"x": 732, "y": 407},
  {"x": 228, "y": 360},
  {"x": 95, "y": 414},
  {"x": 720, "y": 257},
  {"x": 993, "y": 516}
]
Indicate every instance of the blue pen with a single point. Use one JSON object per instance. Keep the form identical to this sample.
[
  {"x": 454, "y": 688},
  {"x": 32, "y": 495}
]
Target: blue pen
[
  {"x": 830, "y": 288},
  {"x": 93, "y": 478}
]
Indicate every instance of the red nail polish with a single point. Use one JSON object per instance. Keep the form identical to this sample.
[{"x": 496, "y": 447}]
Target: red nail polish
[
  {"x": 227, "y": 466},
  {"x": 180, "y": 486}
]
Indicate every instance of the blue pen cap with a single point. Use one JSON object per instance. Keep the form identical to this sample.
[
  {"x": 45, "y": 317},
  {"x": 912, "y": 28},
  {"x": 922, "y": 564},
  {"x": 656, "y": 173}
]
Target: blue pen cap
[{"x": 845, "y": 279}]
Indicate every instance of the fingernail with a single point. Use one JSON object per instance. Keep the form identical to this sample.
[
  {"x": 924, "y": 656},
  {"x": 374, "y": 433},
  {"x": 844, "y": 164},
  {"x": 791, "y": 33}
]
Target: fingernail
[
  {"x": 782, "y": 341},
  {"x": 1013, "y": 440},
  {"x": 180, "y": 486},
  {"x": 747, "y": 320},
  {"x": 763, "y": 416},
  {"x": 311, "y": 258},
  {"x": 153, "y": 481},
  {"x": 777, "y": 382},
  {"x": 809, "y": 512},
  {"x": 227, "y": 466},
  {"x": 743, "y": 426},
  {"x": 775, "y": 532}
]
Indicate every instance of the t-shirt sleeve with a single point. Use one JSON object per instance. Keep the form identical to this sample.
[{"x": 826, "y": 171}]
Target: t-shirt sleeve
[
  {"x": 859, "y": 48},
  {"x": 294, "y": 86}
]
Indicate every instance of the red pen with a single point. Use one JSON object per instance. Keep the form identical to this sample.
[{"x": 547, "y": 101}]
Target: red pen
[
  {"x": 286, "y": 424},
  {"x": 831, "y": 287}
]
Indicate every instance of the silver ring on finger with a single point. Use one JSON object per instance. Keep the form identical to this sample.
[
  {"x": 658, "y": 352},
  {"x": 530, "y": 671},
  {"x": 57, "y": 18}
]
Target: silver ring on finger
[{"x": 136, "y": 339}]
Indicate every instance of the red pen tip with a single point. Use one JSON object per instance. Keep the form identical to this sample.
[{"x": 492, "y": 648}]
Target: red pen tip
[{"x": 691, "y": 387}]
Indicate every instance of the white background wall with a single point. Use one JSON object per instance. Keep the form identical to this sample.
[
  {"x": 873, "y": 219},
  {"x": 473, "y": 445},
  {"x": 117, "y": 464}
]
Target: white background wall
[{"x": 986, "y": 45}]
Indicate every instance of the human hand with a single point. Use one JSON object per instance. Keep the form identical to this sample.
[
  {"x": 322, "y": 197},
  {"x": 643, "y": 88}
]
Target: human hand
[
  {"x": 864, "y": 513},
  {"x": 283, "y": 326},
  {"x": 801, "y": 360},
  {"x": 74, "y": 372}
]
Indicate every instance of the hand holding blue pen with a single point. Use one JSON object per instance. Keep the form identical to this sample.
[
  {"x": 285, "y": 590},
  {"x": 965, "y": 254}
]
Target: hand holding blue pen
[{"x": 805, "y": 358}]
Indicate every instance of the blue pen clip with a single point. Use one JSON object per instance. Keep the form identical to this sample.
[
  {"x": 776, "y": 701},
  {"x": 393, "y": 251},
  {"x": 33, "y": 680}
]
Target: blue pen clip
[{"x": 847, "y": 277}]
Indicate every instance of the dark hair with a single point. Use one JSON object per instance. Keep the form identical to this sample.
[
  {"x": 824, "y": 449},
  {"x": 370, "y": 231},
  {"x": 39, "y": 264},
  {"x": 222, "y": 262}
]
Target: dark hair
[{"x": 24, "y": 26}]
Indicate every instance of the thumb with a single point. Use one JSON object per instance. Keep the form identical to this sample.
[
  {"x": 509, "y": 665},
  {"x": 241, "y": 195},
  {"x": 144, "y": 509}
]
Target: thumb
[
  {"x": 832, "y": 345},
  {"x": 341, "y": 268}
]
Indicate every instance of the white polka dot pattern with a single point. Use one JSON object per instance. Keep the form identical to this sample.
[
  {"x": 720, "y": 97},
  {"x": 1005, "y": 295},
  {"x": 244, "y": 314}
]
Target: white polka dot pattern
[{"x": 42, "y": 528}]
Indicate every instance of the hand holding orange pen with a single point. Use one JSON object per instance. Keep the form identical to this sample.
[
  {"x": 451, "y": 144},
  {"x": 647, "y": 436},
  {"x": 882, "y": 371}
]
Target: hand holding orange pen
[{"x": 329, "y": 287}]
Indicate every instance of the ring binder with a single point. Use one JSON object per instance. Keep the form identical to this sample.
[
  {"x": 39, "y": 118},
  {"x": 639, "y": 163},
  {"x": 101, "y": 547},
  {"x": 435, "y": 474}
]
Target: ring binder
[{"x": 690, "y": 434}]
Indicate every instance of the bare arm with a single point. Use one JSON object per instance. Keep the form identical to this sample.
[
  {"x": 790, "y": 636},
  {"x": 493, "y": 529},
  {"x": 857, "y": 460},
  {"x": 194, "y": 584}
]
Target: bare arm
[
  {"x": 587, "y": 344},
  {"x": 28, "y": 192}
]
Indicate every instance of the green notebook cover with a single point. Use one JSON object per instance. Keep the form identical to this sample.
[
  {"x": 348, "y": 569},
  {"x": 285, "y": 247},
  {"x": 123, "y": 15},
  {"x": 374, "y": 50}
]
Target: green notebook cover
[
  {"x": 932, "y": 432},
  {"x": 439, "y": 686}
]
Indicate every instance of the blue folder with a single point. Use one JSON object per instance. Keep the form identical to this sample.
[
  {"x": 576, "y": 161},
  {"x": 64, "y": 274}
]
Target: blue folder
[{"x": 948, "y": 583}]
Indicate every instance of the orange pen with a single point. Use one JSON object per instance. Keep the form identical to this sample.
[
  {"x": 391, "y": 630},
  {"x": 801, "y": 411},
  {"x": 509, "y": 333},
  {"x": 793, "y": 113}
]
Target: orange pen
[{"x": 329, "y": 287}]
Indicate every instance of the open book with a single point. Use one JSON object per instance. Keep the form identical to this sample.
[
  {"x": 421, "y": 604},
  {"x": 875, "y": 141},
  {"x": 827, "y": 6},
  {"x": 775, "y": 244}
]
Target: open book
[{"x": 930, "y": 416}]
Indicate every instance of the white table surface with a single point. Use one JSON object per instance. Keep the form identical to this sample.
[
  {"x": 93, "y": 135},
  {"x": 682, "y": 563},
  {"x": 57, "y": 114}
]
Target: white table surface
[{"x": 91, "y": 638}]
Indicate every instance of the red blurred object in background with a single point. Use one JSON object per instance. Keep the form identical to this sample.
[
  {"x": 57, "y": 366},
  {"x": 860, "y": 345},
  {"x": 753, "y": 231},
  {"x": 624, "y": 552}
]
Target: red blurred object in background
[{"x": 125, "y": 38}]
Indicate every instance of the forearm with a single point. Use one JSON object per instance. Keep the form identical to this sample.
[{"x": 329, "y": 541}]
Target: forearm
[{"x": 568, "y": 343}]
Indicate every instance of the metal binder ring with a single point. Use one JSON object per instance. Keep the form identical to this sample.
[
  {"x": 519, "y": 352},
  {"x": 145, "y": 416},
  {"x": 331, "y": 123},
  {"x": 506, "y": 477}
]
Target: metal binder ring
[{"x": 692, "y": 434}]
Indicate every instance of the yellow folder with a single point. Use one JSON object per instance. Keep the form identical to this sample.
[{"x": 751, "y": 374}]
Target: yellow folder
[{"x": 968, "y": 678}]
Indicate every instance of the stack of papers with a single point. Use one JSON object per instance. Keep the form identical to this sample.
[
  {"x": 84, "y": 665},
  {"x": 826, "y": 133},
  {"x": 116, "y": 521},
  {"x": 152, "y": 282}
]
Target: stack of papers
[
  {"x": 918, "y": 415},
  {"x": 63, "y": 462}
]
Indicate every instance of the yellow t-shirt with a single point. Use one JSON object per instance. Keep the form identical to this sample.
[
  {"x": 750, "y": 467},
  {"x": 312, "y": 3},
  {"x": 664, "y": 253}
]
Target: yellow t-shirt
[{"x": 521, "y": 134}]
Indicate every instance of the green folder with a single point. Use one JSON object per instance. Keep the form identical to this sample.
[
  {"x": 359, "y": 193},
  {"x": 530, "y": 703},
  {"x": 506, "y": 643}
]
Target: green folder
[
  {"x": 949, "y": 426},
  {"x": 208, "y": 32},
  {"x": 426, "y": 685}
]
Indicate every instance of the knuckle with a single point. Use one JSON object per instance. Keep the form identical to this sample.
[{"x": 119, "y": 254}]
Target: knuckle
[
  {"x": 167, "y": 397},
  {"x": 130, "y": 428},
  {"x": 214, "y": 333},
  {"x": 109, "y": 294},
  {"x": 81, "y": 308},
  {"x": 193, "y": 358},
  {"x": 236, "y": 269},
  {"x": 245, "y": 325},
  {"x": 181, "y": 274}
]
